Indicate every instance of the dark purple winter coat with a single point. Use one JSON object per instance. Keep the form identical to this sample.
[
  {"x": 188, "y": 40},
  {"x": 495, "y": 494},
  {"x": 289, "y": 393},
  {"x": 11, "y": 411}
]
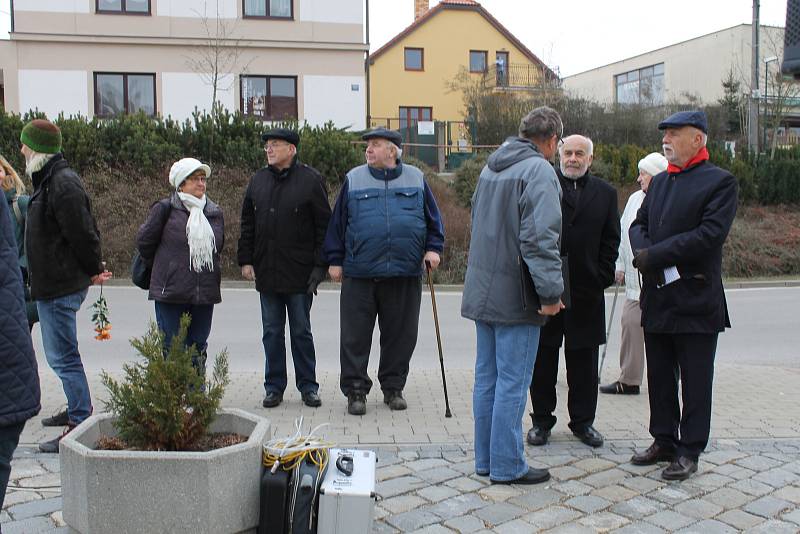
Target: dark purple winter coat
[{"x": 162, "y": 240}]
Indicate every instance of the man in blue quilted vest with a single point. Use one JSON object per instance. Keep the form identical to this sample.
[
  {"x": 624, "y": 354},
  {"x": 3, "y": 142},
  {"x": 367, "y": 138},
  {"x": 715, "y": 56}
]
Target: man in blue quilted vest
[{"x": 384, "y": 228}]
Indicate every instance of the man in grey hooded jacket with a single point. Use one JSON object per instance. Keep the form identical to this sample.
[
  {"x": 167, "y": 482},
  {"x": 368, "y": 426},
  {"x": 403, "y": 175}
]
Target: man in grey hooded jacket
[{"x": 513, "y": 283}]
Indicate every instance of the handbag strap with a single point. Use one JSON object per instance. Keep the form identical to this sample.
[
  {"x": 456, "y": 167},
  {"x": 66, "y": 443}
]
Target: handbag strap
[{"x": 18, "y": 212}]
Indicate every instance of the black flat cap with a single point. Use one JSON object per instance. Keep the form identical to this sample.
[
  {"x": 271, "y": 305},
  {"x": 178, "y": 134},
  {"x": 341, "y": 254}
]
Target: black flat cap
[
  {"x": 290, "y": 136},
  {"x": 383, "y": 133},
  {"x": 685, "y": 118}
]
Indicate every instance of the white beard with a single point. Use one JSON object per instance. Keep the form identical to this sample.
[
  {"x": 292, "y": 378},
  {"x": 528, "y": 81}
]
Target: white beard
[{"x": 36, "y": 163}]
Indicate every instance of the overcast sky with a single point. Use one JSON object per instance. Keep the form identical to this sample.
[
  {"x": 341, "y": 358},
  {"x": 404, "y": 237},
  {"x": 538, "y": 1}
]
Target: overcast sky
[{"x": 578, "y": 35}]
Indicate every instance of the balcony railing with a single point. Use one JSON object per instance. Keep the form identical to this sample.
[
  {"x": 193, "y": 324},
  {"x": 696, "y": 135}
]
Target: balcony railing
[{"x": 520, "y": 76}]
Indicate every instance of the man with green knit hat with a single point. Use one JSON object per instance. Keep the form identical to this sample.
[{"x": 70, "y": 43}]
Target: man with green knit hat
[{"x": 64, "y": 259}]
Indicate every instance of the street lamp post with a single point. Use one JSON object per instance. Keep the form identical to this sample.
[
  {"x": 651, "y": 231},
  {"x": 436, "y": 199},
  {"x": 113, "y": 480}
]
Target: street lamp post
[{"x": 767, "y": 61}]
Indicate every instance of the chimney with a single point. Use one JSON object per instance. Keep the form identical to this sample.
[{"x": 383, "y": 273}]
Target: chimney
[{"x": 420, "y": 8}]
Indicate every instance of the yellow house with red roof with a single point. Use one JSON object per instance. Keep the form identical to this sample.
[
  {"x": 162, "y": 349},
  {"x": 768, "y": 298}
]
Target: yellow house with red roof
[{"x": 411, "y": 74}]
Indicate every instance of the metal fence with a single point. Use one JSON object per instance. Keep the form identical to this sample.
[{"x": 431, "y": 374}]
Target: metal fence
[{"x": 443, "y": 145}]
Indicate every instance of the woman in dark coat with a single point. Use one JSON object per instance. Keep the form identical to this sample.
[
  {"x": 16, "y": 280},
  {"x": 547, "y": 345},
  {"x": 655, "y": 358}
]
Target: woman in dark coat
[
  {"x": 19, "y": 377},
  {"x": 182, "y": 237}
]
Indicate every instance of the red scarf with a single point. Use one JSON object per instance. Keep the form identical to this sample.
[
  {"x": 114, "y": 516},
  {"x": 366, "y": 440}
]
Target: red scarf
[{"x": 702, "y": 155}]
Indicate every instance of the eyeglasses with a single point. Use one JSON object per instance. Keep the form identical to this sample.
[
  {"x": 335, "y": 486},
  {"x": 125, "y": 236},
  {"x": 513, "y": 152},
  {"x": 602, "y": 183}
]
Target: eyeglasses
[
  {"x": 197, "y": 178},
  {"x": 274, "y": 144}
]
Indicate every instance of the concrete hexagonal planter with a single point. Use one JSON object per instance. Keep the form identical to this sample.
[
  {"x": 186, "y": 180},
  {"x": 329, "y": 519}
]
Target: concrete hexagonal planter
[{"x": 143, "y": 491}]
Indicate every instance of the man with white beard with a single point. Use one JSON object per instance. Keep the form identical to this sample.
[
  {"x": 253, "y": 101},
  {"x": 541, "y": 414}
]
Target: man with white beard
[
  {"x": 64, "y": 259},
  {"x": 590, "y": 238}
]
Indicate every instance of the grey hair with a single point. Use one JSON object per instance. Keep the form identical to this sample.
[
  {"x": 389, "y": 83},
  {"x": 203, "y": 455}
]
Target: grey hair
[
  {"x": 705, "y": 138},
  {"x": 542, "y": 123},
  {"x": 589, "y": 142}
]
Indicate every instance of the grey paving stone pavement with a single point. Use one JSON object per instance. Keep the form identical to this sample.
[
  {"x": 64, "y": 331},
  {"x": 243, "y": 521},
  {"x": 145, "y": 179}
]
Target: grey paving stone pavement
[{"x": 748, "y": 479}]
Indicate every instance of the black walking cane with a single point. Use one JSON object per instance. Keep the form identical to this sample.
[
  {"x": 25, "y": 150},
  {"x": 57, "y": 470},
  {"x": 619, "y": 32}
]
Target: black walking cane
[{"x": 438, "y": 341}]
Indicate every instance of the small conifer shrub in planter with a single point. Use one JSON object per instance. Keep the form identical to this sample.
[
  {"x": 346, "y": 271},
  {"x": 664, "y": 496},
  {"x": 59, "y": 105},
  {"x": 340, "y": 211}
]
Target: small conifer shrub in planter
[{"x": 160, "y": 483}]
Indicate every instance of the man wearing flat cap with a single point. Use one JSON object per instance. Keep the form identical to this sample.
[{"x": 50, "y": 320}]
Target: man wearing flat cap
[
  {"x": 284, "y": 217},
  {"x": 385, "y": 226},
  {"x": 677, "y": 240}
]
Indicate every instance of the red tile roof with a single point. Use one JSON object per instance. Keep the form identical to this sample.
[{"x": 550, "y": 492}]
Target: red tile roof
[{"x": 469, "y": 5}]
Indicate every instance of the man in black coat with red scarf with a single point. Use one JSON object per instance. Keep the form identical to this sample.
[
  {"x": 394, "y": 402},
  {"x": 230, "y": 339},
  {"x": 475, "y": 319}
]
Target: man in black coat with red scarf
[
  {"x": 590, "y": 239},
  {"x": 677, "y": 240}
]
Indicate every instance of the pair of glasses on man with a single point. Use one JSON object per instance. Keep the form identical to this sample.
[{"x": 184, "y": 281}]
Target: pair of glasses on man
[{"x": 275, "y": 145}]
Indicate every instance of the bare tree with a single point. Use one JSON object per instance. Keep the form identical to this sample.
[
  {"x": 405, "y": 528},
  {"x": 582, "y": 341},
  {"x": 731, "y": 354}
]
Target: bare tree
[
  {"x": 220, "y": 55},
  {"x": 782, "y": 93}
]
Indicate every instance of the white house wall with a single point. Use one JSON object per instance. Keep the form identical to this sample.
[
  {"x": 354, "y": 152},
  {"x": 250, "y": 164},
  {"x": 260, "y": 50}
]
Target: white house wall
[
  {"x": 54, "y": 92},
  {"x": 339, "y": 11},
  {"x": 183, "y": 91},
  {"x": 197, "y": 8},
  {"x": 333, "y": 98},
  {"x": 57, "y": 6}
]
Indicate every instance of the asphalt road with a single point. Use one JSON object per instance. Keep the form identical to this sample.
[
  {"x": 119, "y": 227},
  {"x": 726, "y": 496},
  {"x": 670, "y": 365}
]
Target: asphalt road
[{"x": 766, "y": 330}]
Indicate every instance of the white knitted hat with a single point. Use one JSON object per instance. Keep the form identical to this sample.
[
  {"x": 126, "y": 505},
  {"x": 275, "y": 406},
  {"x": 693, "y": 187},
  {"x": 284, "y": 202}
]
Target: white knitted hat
[
  {"x": 181, "y": 170},
  {"x": 653, "y": 163}
]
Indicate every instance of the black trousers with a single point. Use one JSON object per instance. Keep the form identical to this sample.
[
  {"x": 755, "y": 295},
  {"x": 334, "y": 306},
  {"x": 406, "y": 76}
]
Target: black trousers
[
  {"x": 581, "y": 380},
  {"x": 690, "y": 357},
  {"x": 395, "y": 302},
  {"x": 9, "y": 438}
]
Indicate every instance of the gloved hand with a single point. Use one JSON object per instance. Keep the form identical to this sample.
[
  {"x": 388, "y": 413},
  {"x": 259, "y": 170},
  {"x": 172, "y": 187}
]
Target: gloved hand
[
  {"x": 316, "y": 277},
  {"x": 640, "y": 260}
]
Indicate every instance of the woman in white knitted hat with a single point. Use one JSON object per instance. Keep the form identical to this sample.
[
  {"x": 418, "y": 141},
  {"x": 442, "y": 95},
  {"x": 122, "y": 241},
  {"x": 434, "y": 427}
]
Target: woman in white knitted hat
[
  {"x": 631, "y": 353},
  {"x": 182, "y": 237}
]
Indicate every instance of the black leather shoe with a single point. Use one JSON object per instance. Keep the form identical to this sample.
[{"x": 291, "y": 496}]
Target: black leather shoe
[
  {"x": 618, "y": 388},
  {"x": 272, "y": 399},
  {"x": 311, "y": 398},
  {"x": 589, "y": 436},
  {"x": 538, "y": 435},
  {"x": 51, "y": 446},
  {"x": 59, "y": 419},
  {"x": 680, "y": 469},
  {"x": 395, "y": 400},
  {"x": 655, "y": 453},
  {"x": 356, "y": 404},
  {"x": 533, "y": 476}
]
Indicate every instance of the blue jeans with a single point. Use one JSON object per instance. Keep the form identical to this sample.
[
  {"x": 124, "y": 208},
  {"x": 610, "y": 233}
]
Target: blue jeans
[
  {"x": 503, "y": 370},
  {"x": 274, "y": 308},
  {"x": 57, "y": 320},
  {"x": 168, "y": 318}
]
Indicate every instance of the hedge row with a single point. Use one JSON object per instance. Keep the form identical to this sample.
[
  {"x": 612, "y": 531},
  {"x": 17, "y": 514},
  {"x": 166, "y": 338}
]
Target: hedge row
[
  {"x": 148, "y": 145},
  {"x": 761, "y": 180}
]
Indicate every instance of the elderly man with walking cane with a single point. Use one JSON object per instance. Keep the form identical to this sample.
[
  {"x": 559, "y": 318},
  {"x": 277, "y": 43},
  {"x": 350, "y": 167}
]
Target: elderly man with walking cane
[{"x": 385, "y": 226}]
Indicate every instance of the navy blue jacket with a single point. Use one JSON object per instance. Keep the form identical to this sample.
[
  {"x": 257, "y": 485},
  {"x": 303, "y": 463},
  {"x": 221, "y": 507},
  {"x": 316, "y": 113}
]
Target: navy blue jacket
[
  {"x": 382, "y": 240},
  {"x": 683, "y": 222},
  {"x": 19, "y": 376}
]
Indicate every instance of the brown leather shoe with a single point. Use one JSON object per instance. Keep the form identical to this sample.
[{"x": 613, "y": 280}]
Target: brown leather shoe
[
  {"x": 680, "y": 469},
  {"x": 655, "y": 453}
]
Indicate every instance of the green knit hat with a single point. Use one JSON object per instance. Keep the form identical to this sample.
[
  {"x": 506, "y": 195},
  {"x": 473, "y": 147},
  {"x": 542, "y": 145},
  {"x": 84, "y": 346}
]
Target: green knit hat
[{"x": 41, "y": 136}]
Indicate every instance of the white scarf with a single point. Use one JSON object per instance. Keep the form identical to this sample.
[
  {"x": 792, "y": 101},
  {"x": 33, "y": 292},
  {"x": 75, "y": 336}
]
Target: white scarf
[{"x": 202, "y": 244}]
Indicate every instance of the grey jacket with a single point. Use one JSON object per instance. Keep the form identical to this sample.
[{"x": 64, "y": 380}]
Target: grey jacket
[{"x": 516, "y": 227}]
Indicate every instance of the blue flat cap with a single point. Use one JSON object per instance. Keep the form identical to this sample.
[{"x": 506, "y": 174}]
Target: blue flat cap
[
  {"x": 290, "y": 136},
  {"x": 685, "y": 118},
  {"x": 383, "y": 133}
]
